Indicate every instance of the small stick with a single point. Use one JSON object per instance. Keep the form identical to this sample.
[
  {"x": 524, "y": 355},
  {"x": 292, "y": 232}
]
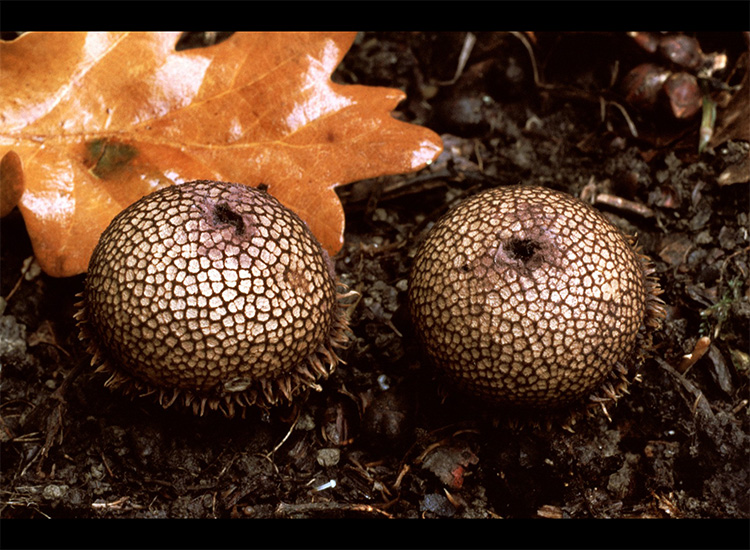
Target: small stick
[
  {"x": 469, "y": 40},
  {"x": 699, "y": 350},
  {"x": 284, "y": 509},
  {"x": 624, "y": 204}
]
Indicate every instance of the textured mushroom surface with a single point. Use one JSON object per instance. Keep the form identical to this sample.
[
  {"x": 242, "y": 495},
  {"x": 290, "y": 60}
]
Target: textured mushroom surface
[
  {"x": 213, "y": 293},
  {"x": 528, "y": 296}
]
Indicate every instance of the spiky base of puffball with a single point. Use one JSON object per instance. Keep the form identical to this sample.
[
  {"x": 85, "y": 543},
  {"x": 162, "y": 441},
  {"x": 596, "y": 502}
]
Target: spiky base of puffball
[
  {"x": 621, "y": 377},
  {"x": 263, "y": 392}
]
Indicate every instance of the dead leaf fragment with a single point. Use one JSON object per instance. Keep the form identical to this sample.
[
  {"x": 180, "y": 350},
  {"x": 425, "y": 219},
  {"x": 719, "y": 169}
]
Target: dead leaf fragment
[
  {"x": 736, "y": 173},
  {"x": 449, "y": 464},
  {"x": 100, "y": 119},
  {"x": 11, "y": 182},
  {"x": 733, "y": 121},
  {"x": 734, "y": 124}
]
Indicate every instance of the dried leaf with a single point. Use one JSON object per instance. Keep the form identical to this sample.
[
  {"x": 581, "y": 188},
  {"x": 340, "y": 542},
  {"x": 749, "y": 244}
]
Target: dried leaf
[
  {"x": 100, "y": 119},
  {"x": 11, "y": 182},
  {"x": 733, "y": 120},
  {"x": 736, "y": 173},
  {"x": 734, "y": 124},
  {"x": 450, "y": 463}
]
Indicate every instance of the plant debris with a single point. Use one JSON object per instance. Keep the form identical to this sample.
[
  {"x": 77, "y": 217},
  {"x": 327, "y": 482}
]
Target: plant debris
[{"x": 677, "y": 447}]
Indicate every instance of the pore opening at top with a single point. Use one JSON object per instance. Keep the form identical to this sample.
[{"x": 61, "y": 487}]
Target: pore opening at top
[
  {"x": 223, "y": 214},
  {"x": 522, "y": 249}
]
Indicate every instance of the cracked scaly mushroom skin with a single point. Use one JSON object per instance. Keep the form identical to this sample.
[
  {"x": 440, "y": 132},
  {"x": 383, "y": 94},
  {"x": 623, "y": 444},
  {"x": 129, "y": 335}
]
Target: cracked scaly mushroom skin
[
  {"x": 527, "y": 296},
  {"x": 212, "y": 294}
]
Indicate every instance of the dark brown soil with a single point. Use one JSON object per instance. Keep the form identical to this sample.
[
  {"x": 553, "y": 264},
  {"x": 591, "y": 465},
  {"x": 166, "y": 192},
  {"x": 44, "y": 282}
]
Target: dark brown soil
[{"x": 386, "y": 437}]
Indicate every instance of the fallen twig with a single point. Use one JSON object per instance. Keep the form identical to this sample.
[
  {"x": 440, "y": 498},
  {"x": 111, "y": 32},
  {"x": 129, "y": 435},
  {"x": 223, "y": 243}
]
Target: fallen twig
[{"x": 288, "y": 510}]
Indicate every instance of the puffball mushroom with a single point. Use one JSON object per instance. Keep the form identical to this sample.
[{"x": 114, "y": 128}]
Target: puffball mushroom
[
  {"x": 527, "y": 296},
  {"x": 212, "y": 294}
]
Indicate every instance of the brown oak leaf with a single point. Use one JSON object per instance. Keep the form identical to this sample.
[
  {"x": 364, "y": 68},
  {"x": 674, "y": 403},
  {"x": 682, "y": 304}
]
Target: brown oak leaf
[{"x": 100, "y": 119}]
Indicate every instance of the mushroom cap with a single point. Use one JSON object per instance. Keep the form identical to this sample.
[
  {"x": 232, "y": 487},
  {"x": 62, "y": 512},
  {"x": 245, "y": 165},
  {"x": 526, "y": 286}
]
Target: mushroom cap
[
  {"x": 214, "y": 293},
  {"x": 528, "y": 296}
]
